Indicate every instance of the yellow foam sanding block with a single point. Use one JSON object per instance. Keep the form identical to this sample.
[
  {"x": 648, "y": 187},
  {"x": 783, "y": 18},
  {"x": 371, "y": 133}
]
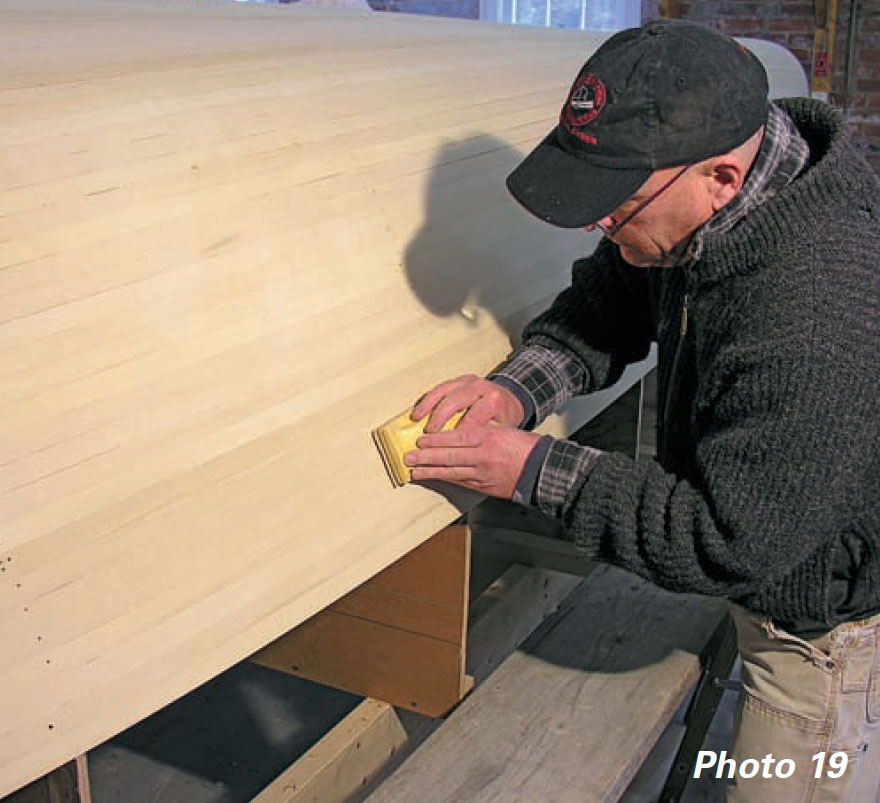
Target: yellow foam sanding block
[{"x": 397, "y": 437}]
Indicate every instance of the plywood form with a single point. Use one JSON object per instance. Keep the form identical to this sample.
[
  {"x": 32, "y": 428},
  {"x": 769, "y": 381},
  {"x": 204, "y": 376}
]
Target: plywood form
[
  {"x": 399, "y": 637},
  {"x": 233, "y": 239}
]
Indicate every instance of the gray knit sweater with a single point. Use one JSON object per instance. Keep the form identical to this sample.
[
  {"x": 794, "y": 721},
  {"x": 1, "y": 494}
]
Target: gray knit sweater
[{"x": 766, "y": 489}]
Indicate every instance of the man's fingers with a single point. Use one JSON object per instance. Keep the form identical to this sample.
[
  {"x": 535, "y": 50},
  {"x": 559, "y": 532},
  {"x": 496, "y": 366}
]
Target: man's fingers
[
  {"x": 442, "y": 457},
  {"x": 458, "y": 474},
  {"x": 480, "y": 409},
  {"x": 440, "y": 415},
  {"x": 457, "y": 438},
  {"x": 430, "y": 400},
  {"x": 482, "y": 401},
  {"x": 427, "y": 402},
  {"x": 451, "y": 404},
  {"x": 487, "y": 459},
  {"x": 478, "y": 415}
]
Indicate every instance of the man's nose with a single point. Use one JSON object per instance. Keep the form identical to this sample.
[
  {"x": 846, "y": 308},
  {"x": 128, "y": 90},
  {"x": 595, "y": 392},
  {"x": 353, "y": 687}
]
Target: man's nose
[{"x": 605, "y": 224}]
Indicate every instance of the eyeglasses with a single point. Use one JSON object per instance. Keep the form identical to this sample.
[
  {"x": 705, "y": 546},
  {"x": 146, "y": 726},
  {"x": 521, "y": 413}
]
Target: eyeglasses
[{"x": 616, "y": 226}]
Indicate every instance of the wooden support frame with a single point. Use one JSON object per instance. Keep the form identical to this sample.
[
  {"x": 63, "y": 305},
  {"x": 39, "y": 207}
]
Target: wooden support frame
[
  {"x": 344, "y": 760},
  {"x": 67, "y": 784},
  {"x": 670, "y": 9},
  {"x": 372, "y": 739},
  {"x": 569, "y": 712},
  {"x": 823, "y": 48},
  {"x": 718, "y": 660},
  {"x": 399, "y": 637}
]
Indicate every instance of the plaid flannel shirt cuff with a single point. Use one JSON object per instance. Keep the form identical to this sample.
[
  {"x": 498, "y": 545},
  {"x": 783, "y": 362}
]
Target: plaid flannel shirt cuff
[
  {"x": 565, "y": 469},
  {"x": 549, "y": 378},
  {"x": 524, "y": 491}
]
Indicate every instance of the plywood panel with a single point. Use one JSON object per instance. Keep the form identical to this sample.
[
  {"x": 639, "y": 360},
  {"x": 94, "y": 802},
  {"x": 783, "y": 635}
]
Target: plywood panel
[
  {"x": 233, "y": 239},
  {"x": 399, "y": 637}
]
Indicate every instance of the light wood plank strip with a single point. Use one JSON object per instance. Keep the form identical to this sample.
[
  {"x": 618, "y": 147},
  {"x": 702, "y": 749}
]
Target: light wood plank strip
[{"x": 343, "y": 761}]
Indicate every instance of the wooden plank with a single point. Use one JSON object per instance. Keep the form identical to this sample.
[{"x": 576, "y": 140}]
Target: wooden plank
[
  {"x": 524, "y": 535},
  {"x": 400, "y": 637},
  {"x": 343, "y": 761},
  {"x": 653, "y": 773},
  {"x": 234, "y": 238},
  {"x": 718, "y": 660},
  {"x": 425, "y": 592},
  {"x": 823, "y": 48},
  {"x": 508, "y": 611},
  {"x": 67, "y": 784},
  {"x": 671, "y": 9},
  {"x": 573, "y": 713},
  {"x": 83, "y": 785}
]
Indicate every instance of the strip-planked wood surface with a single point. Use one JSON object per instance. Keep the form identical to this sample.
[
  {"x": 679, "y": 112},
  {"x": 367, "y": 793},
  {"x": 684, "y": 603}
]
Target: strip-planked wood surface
[{"x": 234, "y": 239}]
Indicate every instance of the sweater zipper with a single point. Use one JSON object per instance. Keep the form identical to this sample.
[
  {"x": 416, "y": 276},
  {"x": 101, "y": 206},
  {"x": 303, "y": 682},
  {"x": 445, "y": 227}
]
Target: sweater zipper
[{"x": 673, "y": 373}]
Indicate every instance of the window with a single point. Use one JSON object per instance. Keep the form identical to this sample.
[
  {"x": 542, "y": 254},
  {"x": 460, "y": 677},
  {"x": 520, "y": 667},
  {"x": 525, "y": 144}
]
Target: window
[{"x": 594, "y": 15}]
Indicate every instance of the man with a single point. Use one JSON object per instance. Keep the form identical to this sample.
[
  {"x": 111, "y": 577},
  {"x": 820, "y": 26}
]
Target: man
[{"x": 743, "y": 237}]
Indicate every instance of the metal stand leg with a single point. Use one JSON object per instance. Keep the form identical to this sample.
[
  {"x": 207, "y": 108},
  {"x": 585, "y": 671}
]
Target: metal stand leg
[{"x": 718, "y": 659}]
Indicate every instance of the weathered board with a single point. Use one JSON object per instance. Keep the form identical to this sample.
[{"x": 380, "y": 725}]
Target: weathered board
[{"x": 233, "y": 239}]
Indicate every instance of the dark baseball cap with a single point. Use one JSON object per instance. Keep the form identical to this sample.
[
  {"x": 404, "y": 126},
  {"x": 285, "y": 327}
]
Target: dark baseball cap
[{"x": 666, "y": 94}]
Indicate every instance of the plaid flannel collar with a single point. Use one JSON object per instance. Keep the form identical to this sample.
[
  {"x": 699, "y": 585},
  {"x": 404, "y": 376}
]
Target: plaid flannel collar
[{"x": 781, "y": 157}]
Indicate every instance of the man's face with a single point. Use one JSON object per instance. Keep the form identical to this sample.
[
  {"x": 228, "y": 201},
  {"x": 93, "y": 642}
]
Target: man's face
[{"x": 659, "y": 233}]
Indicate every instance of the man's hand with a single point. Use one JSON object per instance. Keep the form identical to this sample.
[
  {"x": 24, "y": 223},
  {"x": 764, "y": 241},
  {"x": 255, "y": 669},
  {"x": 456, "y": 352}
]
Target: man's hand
[
  {"x": 485, "y": 401},
  {"x": 488, "y": 459}
]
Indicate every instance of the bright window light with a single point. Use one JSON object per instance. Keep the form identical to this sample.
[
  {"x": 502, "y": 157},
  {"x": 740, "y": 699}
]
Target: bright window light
[{"x": 593, "y": 15}]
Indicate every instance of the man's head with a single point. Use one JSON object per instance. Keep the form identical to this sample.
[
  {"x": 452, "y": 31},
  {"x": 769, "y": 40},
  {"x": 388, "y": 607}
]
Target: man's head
[{"x": 648, "y": 102}]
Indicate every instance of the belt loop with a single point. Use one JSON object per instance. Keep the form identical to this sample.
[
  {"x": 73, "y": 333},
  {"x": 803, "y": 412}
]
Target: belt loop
[{"x": 816, "y": 656}]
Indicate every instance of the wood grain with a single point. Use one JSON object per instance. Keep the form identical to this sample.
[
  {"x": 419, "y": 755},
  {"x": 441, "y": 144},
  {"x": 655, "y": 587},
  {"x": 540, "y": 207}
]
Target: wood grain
[
  {"x": 344, "y": 760},
  {"x": 234, "y": 238}
]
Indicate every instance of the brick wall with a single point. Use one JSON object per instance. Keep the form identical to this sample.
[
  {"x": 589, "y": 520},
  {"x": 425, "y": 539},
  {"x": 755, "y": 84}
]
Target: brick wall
[
  {"x": 863, "y": 102},
  {"x": 791, "y": 23}
]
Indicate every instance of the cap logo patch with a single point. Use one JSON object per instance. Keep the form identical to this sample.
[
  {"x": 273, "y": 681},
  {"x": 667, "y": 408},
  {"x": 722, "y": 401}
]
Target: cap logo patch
[{"x": 586, "y": 100}]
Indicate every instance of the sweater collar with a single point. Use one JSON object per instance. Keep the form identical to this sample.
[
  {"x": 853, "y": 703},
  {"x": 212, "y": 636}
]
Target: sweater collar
[{"x": 782, "y": 156}]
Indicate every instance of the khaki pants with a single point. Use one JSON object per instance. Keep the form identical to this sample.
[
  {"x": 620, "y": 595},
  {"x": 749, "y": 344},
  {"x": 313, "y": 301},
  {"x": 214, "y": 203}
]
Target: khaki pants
[{"x": 813, "y": 703}]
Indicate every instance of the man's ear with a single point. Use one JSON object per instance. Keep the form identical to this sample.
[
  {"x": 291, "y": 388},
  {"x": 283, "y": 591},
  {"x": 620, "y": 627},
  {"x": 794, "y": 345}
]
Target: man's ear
[
  {"x": 727, "y": 176},
  {"x": 727, "y": 173}
]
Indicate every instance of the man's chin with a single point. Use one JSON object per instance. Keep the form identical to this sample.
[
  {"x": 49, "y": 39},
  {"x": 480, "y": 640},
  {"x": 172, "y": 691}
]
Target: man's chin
[{"x": 639, "y": 259}]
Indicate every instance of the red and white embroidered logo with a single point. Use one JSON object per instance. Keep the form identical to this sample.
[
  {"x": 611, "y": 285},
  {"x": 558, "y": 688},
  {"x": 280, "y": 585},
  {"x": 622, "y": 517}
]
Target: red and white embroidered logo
[{"x": 586, "y": 100}]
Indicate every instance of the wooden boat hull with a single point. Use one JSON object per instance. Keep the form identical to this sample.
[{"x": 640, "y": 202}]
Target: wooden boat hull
[{"x": 233, "y": 240}]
